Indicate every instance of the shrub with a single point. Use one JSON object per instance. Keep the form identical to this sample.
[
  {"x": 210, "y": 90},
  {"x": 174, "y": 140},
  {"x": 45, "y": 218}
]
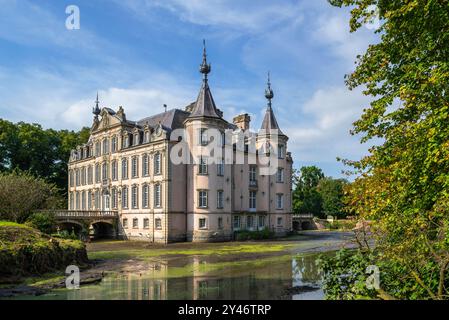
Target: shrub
[
  {"x": 43, "y": 221},
  {"x": 254, "y": 235}
]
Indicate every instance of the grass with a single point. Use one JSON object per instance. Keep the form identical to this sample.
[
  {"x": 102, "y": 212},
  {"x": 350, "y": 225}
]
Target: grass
[{"x": 221, "y": 250}]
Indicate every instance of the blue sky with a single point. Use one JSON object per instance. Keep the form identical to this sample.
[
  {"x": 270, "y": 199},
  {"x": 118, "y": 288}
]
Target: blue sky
[{"x": 143, "y": 53}]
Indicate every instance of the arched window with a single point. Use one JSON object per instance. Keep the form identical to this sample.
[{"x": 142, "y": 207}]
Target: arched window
[
  {"x": 125, "y": 197},
  {"x": 145, "y": 171},
  {"x": 145, "y": 196}
]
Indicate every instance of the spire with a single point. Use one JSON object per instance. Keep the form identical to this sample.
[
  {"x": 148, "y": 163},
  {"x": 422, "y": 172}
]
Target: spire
[
  {"x": 96, "y": 110},
  {"x": 204, "y": 67},
  {"x": 269, "y": 121},
  {"x": 205, "y": 104}
]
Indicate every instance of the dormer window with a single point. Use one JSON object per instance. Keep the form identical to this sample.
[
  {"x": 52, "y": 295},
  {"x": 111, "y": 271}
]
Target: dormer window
[
  {"x": 126, "y": 141},
  {"x": 136, "y": 139}
]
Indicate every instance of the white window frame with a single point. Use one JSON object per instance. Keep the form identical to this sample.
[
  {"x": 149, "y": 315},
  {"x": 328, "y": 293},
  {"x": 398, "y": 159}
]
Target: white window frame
[
  {"x": 135, "y": 197},
  {"x": 157, "y": 163},
  {"x": 157, "y": 196},
  {"x": 202, "y": 199},
  {"x": 279, "y": 201},
  {"x": 202, "y": 166},
  {"x": 200, "y": 221},
  {"x": 280, "y": 175},
  {"x": 252, "y": 200}
]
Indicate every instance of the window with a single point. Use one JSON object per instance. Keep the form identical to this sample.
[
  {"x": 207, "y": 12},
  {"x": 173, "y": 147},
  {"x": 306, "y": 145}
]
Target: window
[
  {"x": 220, "y": 202},
  {"x": 114, "y": 198},
  {"x": 126, "y": 141},
  {"x": 97, "y": 149},
  {"x": 134, "y": 167},
  {"x": 203, "y": 138},
  {"x": 125, "y": 197},
  {"x": 145, "y": 193},
  {"x": 202, "y": 167},
  {"x": 252, "y": 174},
  {"x": 157, "y": 163},
  {"x": 83, "y": 200},
  {"x": 220, "y": 167},
  {"x": 236, "y": 222},
  {"x": 147, "y": 137},
  {"x": 83, "y": 176},
  {"x": 252, "y": 199},
  {"x": 106, "y": 146},
  {"x": 105, "y": 171},
  {"x": 146, "y": 223},
  {"x": 145, "y": 171},
  {"x": 134, "y": 201},
  {"x": 249, "y": 222},
  {"x": 90, "y": 175},
  {"x": 223, "y": 139},
  {"x": 279, "y": 221},
  {"x": 71, "y": 200},
  {"x": 125, "y": 168},
  {"x": 97, "y": 173},
  {"x": 77, "y": 177},
  {"x": 97, "y": 199},
  {"x": 281, "y": 151},
  {"x": 71, "y": 182},
  {"x": 202, "y": 199},
  {"x": 125, "y": 223},
  {"x": 261, "y": 221},
  {"x": 158, "y": 223},
  {"x": 135, "y": 223},
  {"x": 114, "y": 170},
  {"x": 157, "y": 196},
  {"x": 202, "y": 223},
  {"x": 280, "y": 175},
  {"x": 279, "y": 201},
  {"x": 89, "y": 200},
  {"x": 114, "y": 144},
  {"x": 220, "y": 223}
]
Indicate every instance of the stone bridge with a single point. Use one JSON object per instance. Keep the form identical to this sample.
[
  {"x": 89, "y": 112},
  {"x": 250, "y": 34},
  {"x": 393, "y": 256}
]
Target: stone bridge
[
  {"x": 95, "y": 223},
  {"x": 303, "y": 222}
]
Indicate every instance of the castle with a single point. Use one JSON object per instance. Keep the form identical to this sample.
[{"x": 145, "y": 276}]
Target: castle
[{"x": 167, "y": 184}]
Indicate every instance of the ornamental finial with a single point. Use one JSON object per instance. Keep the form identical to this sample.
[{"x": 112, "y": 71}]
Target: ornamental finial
[
  {"x": 204, "y": 67},
  {"x": 268, "y": 91},
  {"x": 96, "y": 110}
]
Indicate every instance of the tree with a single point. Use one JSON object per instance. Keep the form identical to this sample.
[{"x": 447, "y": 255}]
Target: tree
[
  {"x": 332, "y": 192},
  {"x": 403, "y": 183},
  {"x": 306, "y": 198},
  {"x": 21, "y": 193},
  {"x": 44, "y": 153}
]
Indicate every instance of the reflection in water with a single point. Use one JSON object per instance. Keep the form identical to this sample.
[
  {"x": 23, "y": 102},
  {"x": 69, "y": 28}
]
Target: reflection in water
[{"x": 195, "y": 278}]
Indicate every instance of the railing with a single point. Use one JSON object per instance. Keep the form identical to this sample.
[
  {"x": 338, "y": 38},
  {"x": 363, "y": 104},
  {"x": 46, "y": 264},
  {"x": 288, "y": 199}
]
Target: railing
[
  {"x": 303, "y": 216},
  {"x": 81, "y": 214},
  {"x": 253, "y": 183}
]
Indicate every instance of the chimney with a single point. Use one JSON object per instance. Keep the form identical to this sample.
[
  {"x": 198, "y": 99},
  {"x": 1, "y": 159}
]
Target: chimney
[{"x": 242, "y": 121}]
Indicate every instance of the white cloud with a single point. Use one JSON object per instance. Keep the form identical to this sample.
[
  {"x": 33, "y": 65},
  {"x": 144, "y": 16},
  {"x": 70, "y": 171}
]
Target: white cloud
[
  {"x": 324, "y": 133},
  {"x": 244, "y": 16}
]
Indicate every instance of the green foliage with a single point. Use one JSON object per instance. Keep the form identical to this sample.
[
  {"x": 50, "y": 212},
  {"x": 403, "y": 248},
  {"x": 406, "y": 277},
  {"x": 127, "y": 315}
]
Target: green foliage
[
  {"x": 21, "y": 194},
  {"x": 306, "y": 198},
  {"x": 403, "y": 184},
  {"x": 43, "y": 221},
  {"x": 314, "y": 193},
  {"x": 331, "y": 192},
  {"x": 65, "y": 234},
  {"x": 25, "y": 250},
  {"x": 254, "y": 235},
  {"x": 42, "y": 152}
]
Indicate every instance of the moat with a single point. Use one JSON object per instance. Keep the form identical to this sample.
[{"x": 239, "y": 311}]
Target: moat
[{"x": 281, "y": 269}]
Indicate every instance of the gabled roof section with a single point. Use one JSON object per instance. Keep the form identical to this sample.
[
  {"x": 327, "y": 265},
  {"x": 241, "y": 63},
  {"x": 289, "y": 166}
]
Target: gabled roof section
[{"x": 171, "y": 119}]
